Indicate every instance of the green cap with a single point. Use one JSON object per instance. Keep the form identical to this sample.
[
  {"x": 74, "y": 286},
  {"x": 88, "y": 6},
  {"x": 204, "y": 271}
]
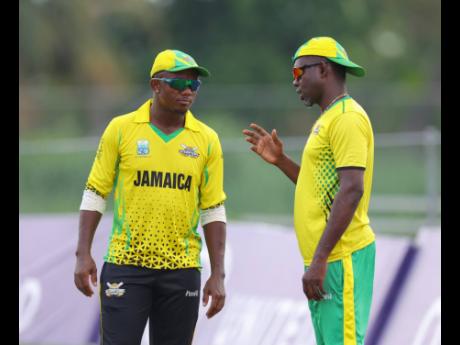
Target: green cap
[
  {"x": 330, "y": 49},
  {"x": 175, "y": 61}
]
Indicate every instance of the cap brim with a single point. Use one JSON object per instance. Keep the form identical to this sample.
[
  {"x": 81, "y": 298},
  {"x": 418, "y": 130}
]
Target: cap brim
[
  {"x": 201, "y": 70},
  {"x": 351, "y": 67}
]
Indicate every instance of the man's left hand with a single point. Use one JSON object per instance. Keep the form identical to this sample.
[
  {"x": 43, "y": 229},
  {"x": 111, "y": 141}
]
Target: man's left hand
[
  {"x": 313, "y": 279},
  {"x": 214, "y": 287}
]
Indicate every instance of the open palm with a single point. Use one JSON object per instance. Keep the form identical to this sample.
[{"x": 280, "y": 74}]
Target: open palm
[{"x": 266, "y": 145}]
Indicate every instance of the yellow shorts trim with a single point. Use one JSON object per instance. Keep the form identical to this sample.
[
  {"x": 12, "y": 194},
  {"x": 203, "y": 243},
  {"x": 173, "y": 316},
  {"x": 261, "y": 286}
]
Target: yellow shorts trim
[{"x": 349, "y": 322}]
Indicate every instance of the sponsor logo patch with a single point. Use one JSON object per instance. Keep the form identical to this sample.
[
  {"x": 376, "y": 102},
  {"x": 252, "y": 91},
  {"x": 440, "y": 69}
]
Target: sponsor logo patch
[
  {"x": 189, "y": 151},
  {"x": 114, "y": 290},
  {"x": 143, "y": 147},
  {"x": 191, "y": 293},
  {"x": 316, "y": 130},
  {"x": 327, "y": 296}
]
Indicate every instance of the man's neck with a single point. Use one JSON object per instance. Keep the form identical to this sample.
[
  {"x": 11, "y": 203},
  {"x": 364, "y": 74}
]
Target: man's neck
[
  {"x": 166, "y": 121},
  {"x": 332, "y": 95}
]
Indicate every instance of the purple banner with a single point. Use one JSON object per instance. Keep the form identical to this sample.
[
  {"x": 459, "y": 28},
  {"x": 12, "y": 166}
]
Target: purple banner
[
  {"x": 265, "y": 303},
  {"x": 416, "y": 318}
]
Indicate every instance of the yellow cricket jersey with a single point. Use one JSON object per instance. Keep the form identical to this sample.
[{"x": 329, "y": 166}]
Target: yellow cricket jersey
[
  {"x": 160, "y": 183},
  {"x": 341, "y": 137}
]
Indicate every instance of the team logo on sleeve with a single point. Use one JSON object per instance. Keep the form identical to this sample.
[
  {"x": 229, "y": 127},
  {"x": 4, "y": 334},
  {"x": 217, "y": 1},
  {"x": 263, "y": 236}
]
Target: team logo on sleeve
[
  {"x": 189, "y": 151},
  {"x": 143, "y": 147},
  {"x": 99, "y": 149},
  {"x": 114, "y": 290},
  {"x": 316, "y": 129}
]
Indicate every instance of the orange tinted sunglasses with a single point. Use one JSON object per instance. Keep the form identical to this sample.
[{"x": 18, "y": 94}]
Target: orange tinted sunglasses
[{"x": 298, "y": 71}]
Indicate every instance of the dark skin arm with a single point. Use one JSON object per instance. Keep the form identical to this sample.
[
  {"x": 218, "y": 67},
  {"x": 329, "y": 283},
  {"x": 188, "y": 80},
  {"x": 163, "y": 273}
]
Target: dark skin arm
[
  {"x": 343, "y": 208},
  {"x": 270, "y": 148},
  {"x": 85, "y": 268},
  {"x": 215, "y": 233}
]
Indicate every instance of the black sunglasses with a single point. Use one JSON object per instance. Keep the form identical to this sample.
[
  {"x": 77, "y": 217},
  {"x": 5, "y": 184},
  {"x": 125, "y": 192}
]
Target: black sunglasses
[{"x": 181, "y": 84}]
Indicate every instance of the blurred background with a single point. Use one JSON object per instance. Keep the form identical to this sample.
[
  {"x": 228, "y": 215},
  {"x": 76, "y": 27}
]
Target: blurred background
[{"x": 83, "y": 62}]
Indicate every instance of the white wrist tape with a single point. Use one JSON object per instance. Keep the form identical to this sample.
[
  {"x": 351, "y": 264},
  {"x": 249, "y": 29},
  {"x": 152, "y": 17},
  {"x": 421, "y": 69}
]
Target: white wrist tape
[
  {"x": 92, "y": 202},
  {"x": 216, "y": 214}
]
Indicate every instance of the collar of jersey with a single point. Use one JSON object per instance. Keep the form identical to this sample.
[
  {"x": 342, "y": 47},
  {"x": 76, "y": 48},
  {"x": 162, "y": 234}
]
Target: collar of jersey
[
  {"x": 143, "y": 115},
  {"x": 341, "y": 100}
]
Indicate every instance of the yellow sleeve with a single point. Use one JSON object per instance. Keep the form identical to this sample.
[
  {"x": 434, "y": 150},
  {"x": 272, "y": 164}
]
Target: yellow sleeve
[
  {"x": 349, "y": 138},
  {"x": 212, "y": 180},
  {"x": 105, "y": 164}
]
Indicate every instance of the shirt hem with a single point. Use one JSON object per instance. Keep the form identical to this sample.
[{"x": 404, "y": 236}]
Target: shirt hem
[
  {"x": 343, "y": 254},
  {"x": 178, "y": 267}
]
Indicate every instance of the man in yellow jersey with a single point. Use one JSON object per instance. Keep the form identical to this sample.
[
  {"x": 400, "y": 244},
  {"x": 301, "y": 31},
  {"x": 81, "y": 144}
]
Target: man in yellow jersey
[
  {"x": 333, "y": 187},
  {"x": 166, "y": 170}
]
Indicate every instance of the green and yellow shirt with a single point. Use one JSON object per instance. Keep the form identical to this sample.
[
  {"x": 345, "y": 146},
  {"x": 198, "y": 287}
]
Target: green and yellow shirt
[
  {"x": 341, "y": 137},
  {"x": 160, "y": 183}
]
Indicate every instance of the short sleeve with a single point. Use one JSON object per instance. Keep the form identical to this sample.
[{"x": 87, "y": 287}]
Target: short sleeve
[
  {"x": 349, "y": 139},
  {"x": 212, "y": 181},
  {"x": 104, "y": 167}
]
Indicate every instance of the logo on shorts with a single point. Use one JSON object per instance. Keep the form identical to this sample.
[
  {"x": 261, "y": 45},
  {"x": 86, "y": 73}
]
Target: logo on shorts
[
  {"x": 327, "y": 296},
  {"x": 191, "y": 293},
  {"x": 114, "y": 290},
  {"x": 142, "y": 147},
  {"x": 189, "y": 151}
]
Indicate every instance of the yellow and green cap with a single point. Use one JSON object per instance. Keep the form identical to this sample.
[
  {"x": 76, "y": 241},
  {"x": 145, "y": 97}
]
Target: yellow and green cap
[
  {"x": 330, "y": 49},
  {"x": 175, "y": 61}
]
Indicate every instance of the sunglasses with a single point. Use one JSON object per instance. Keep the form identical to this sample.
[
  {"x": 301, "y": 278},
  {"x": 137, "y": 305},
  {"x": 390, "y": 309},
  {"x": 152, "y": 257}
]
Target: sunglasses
[
  {"x": 297, "y": 72},
  {"x": 181, "y": 84}
]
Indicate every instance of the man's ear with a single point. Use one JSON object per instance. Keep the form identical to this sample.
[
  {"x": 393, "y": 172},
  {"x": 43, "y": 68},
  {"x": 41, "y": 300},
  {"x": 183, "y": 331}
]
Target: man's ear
[
  {"x": 155, "y": 85},
  {"x": 324, "y": 69}
]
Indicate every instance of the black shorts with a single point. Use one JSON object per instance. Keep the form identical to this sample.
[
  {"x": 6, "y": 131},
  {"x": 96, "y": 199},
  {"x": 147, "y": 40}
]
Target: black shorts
[{"x": 130, "y": 295}]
